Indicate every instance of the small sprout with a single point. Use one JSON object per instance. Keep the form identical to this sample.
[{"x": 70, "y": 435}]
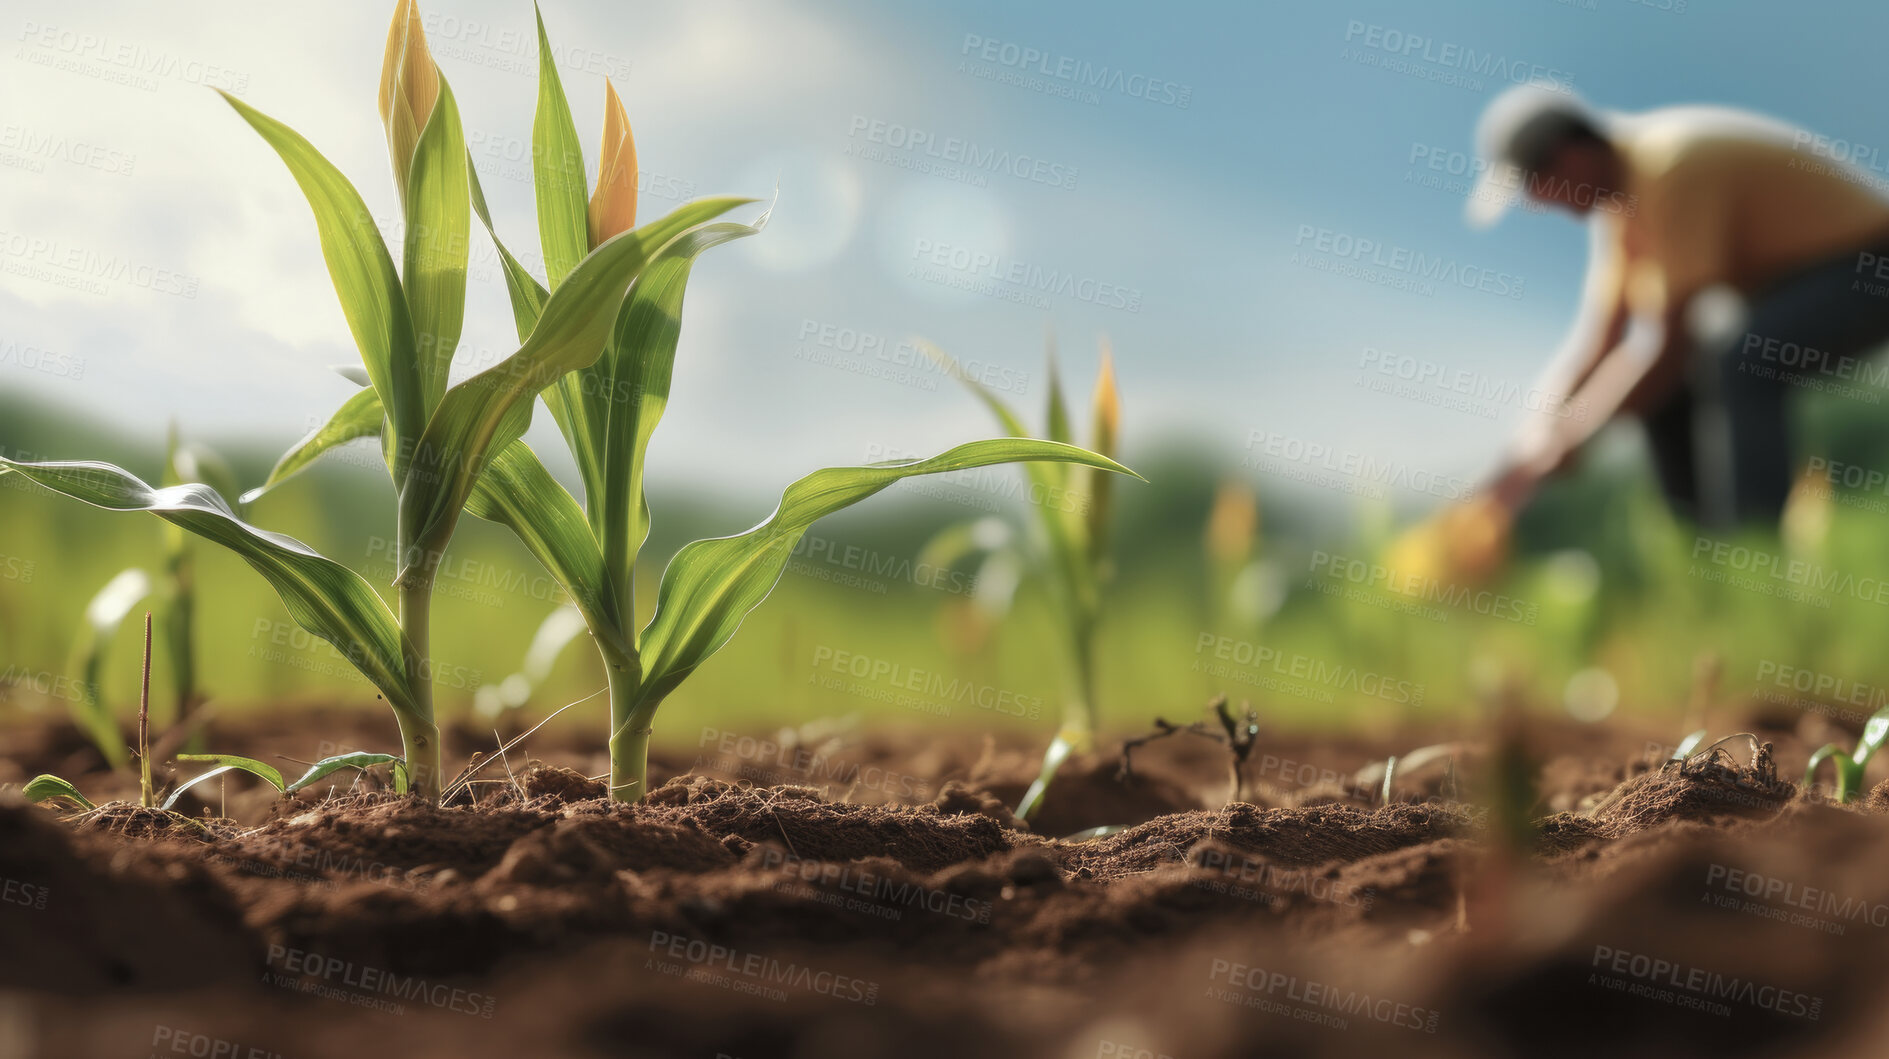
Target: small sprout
[
  {"x": 44, "y": 787},
  {"x": 1072, "y": 516},
  {"x": 1850, "y": 767},
  {"x": 226, "y": 763},
  {"x": 145, "y": 796},
  {"x": 359, "y": 759}
]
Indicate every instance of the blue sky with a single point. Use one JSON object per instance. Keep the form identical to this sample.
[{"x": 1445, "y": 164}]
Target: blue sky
[{"x": 1202, "y": 240}]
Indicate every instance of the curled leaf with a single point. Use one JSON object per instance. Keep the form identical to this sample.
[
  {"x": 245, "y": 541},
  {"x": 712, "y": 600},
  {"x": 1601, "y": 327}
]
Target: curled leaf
[{"x": 613, "y": 204}]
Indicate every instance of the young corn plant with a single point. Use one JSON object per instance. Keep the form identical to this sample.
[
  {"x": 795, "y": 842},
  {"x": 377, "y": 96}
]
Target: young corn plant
[
  {"x": 446, "y": 446},
  {"x": 107, "y": 611},
  {"x": 1072, "y": 507},
  {"x": 1849, "y": 767},
  {"x": 607, "y": 413}
]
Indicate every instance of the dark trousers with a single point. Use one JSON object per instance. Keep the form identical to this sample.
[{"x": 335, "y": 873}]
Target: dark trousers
[{"x": 1722, "y": 442}]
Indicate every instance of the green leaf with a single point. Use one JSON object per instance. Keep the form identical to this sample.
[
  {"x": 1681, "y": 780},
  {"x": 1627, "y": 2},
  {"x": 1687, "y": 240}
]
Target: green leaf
[
  {"x": 628, "y": 387},
  {"x": 483, "y": 414},
  {"x": 517, "y": 491},
  {"x": 235, "y": 761},
  {"x": 1875, "y": 732},
  {"x": 1057, "y": 415},
  {"x": 104, "y": 616},
  {"x": 557, "y": 165},
  {"x": 1007, "y": 417},
  {"x": 42, "y": 787},
  {"x": 362, "y": 271},
  {"x": 711, "y": 585},
  {"x": 565, "y": 397},
  {"x": 359, "y": 759},
  {"x": 360, "y": 416},
  {"x": 527, "y": 294},
  {"x": 439, "y": 226},
  {"x": 229, "y": 763},
  {"x": 324, "y": 597},
  {"x": 1065, "y": 532},
  {"x": 1824, "y": 752}
]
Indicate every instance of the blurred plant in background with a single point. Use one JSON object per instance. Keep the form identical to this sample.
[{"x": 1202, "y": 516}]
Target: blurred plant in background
[
  {"x": 1068, "y": 542},
  {"x": 177, "y": 604}
]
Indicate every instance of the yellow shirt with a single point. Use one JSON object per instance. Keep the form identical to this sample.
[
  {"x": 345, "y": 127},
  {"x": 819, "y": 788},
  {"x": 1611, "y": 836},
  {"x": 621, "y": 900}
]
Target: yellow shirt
[{"x": 1719, "y": 196}]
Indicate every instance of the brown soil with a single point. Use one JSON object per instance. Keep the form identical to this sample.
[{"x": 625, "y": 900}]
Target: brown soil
[{"x": 822, "y": 893}]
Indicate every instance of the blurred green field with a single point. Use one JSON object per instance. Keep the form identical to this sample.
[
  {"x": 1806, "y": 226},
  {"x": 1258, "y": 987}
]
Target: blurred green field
[{"x": 1603, "y": 578}]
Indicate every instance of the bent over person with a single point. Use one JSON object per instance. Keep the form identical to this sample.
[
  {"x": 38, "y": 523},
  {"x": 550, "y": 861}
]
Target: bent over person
[{"x": 1723, "y": 244}]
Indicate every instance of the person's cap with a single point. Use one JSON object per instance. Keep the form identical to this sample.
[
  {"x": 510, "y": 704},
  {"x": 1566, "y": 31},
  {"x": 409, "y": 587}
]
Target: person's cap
[{"x": 1517, "y": 132}]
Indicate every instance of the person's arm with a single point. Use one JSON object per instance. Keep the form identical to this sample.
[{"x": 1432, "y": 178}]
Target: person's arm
[
  {"x": 1648, "y": 362},
  {"x": 1601, "y": 322},
  {"x": 1686, "y": 247},
  {"x": 1599, "y": 326}
]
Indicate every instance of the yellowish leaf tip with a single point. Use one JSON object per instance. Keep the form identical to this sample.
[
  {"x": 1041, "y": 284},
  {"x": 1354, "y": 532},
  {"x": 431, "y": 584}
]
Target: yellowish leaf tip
[
  {"x": 1107, "y": 404},
  {"x": 409, "y": 87},
  {"x": 613, "y": 205}
]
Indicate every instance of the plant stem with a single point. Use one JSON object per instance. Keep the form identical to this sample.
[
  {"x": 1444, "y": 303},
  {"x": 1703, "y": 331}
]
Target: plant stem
[
  {"x": 1053, "y": 758},
  {"x": 629, "y": 726},
  {"x": 1077, "y": 734},
  {"x": 629, "y": 734},
  {"x": 419, "y": 734},
  {"x": 145, "y": 796}
]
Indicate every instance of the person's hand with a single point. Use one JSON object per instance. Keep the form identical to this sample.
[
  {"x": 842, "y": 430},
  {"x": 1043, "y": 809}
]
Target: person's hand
[
  {"x": 1515, "y": 484},
  {"x": 1466, "y": 543}
]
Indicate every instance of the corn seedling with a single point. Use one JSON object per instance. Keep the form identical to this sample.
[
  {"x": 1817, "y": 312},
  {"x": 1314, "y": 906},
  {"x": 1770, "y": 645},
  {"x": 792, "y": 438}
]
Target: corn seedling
[
  {"x": 446, "y": 446},
  {"x": 1382, "y": 776},
  {"x": 228, "y": 763},
  {"x": 1849, "y": 767},
  {"x": 1071, "y": 534},
  {"x": 602, "y": 360}
]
